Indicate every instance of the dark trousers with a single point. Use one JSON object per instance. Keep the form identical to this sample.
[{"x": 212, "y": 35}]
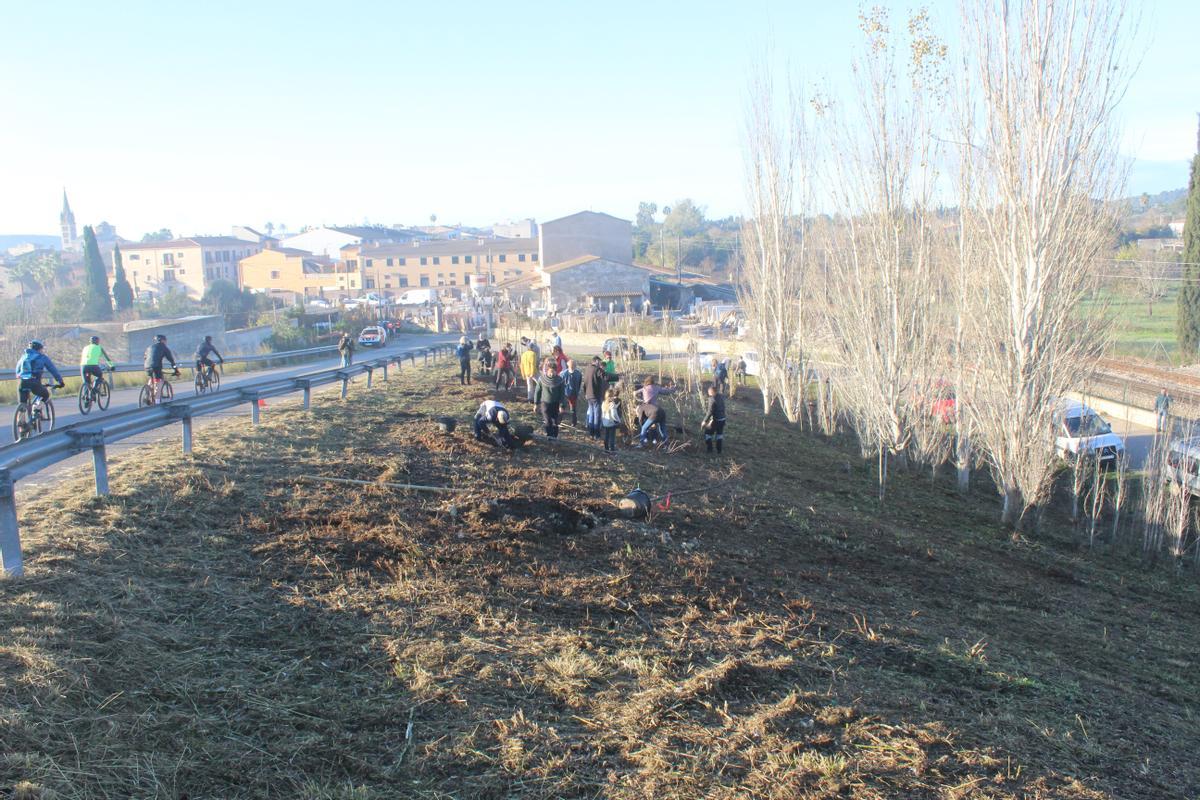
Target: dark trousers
[
  {"x": 464, "y": 371},
  {"x": 610, "y": 438},
  {"x": 573, "y": 402},
  {"x": 91, "y": 373},
  {"x": 504, "y": 378},
  {"x": 32, "y": 385},
  {"x": 551, "y": 414},
  {"x": 717, "y": 434},
  {"x": 501, "y": 437}
]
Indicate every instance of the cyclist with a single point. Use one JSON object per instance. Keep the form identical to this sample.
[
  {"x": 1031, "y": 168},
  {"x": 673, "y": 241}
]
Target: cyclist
[
  {"x": 156, "y": 354},
  {"x": 203, "y": 362},
  {"x": 30, "y": 368},
  {"x": 89, "y": 362}
]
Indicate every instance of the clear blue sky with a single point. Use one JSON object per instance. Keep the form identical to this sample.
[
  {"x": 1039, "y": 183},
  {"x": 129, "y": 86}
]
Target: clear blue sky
[{"x": 202, "y": 115}]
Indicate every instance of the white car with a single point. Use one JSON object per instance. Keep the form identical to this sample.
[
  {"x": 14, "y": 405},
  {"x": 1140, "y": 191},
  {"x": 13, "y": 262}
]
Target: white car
[
  {"x": 1080, "y": 430},
  {"x": 372, "y": 336}
]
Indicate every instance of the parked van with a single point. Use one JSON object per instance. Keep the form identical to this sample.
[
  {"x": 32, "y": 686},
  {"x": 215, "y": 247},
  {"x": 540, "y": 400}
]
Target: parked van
[{"x": 1080, "y": 430}]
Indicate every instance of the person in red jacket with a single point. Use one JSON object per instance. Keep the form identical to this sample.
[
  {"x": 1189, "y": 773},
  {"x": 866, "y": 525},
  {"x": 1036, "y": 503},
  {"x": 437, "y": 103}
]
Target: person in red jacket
[{"x": 505, "y": 374}]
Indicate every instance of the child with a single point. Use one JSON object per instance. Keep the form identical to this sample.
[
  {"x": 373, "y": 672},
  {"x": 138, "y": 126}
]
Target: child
[
  {"x": 714, "y": 421},
  {"x": 610, "y": 416},
  {"x": 572, "y": 383}
]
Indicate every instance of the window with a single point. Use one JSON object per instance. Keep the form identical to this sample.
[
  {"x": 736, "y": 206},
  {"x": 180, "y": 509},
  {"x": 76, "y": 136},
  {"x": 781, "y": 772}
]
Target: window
[
  {"x": 352, "y": 263},
  {"x": 424, "y": 280},
  {"x": 468, "y": 259},
  {"x": 208, "y": 257},
  {"x": 370, "y": 262},
  {"x": 275, "y": 274},
  {"x": 403, "y": 281},
  {"x": 168, "y": 274},
  {"x": 135, "y": 273},
  {"x": 437, "y": 259},
  {"x": 168, "y": 260},
  {"x": 224, "y": 255},
  {"x": 441, "y": 282},
  {"x": 370, "y": 284},
  {"x": 134, "y": 257},
  {"x": 453, "y": 282},
  {"x": 403, "y": 261},
  {"x": 181, "y": 270},
  {"x": 453, "y": 259},
  {"x": 533, "y": 256},
  {"x": 424, "y": 260},
  {"x": 502, "y": 257},
  {"x": 520, "y": 257},
  {"x": 389, "y": 261}
]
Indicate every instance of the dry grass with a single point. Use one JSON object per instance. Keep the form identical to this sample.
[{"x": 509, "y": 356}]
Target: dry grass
[{"x": 218, "y": 629}]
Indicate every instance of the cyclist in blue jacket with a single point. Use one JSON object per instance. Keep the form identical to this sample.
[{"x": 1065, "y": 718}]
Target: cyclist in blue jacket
[{"x": 30, "y": 369}]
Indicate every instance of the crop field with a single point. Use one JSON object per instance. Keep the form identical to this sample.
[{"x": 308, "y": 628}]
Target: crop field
[{"x": 229, "y": 625}]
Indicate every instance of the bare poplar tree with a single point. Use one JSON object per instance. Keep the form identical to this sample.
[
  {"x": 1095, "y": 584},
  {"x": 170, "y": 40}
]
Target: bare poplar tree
[
  {"x": 1047, "y": 75},
  {"x": 883, "y": 314},
  {"x": 775, "y": 260}
]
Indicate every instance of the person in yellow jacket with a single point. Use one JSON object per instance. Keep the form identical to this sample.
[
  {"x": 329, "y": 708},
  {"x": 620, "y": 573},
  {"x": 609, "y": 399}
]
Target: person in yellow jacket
[
  {"x": 89, "y": 361},
  {"x": 529, "y": 368}
]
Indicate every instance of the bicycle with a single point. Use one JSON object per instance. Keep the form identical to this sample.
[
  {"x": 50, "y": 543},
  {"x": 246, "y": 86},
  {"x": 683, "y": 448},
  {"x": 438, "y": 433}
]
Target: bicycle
[
  {"x": 208, "y": 379},
  {"x": 98, "y": 393},
  {"x": 33, "y": 418},
  {"x": 148, "y": 397}
]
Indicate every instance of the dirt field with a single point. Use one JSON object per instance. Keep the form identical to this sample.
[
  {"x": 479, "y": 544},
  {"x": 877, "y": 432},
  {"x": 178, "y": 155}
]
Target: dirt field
[{"x": 221, "y": 628}]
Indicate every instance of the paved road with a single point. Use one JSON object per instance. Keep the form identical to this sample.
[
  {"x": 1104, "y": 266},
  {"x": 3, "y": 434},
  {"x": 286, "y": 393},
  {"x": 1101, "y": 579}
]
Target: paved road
[
  {"x": 122, "y": 399},
  {"x": 127, "y": 398}
]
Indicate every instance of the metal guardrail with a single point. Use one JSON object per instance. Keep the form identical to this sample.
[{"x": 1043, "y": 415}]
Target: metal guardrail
[
  {"x": 137, "y": 366},
  {"x": 22, "y": 459}
]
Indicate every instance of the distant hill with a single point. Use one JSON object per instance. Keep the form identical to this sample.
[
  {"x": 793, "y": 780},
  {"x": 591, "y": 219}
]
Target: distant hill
[
  {"x": 8, "y": 240},
  {"x": 1167, "y": 198}
]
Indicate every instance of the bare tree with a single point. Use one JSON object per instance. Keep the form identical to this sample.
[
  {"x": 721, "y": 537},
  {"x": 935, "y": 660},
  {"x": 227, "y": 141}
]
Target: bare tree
[
  {"x": 1047, "y": 77},
  {"x": 775, "y": 258},
  {"x": 883, "y": 315}
]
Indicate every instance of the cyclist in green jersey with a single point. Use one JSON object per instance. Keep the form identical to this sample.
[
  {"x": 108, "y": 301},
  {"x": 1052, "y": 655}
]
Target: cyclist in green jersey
[{"x": 89, "y": 362}]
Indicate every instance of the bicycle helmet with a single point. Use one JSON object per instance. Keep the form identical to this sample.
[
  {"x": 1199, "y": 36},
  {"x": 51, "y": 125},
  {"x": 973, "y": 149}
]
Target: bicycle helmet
[
  {"x": 162, "y": 337},
  {"x": 502, "y": 417},
  {"x": 208, "y": 339},
  {"x": 95, "y": 340},
  {"x": 36, "y": 345}
]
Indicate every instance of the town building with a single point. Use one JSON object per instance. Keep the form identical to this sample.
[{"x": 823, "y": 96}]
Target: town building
[
  {"x": 291, "y": 275},
  {"x": 586, "y": 233},
  {"x": 592, "y": 282},
  {"x": 329, "y": 240},
  {"x": 518, "y": 229},
  {"x": 248, "y": 234},
  {"x": 184, "y": 265},
  {"x": 390, "y": 269}
]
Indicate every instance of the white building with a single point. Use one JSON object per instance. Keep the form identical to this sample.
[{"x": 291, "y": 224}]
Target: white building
[{"x": 329, "y": 240}]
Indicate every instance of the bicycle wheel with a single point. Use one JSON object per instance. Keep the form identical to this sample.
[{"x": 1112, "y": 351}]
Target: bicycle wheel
[
  {"x": 45, "y": 421},
  {"x": 200, "y": 383},
  {"x": 103, "y": 395},
  {"x": 85, "y": 398},
  {"x": 165, "y": 392},
  {"x": 21, "y": 427},
  {"x": 145, "y": 398},
  {"x": 214, "y": 381}
]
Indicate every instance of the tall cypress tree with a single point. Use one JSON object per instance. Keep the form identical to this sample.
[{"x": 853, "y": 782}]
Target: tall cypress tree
[
  {"x": 96, "y": 303},
  {"x": 1189, "y": 292},
  {"x": 122, "y": 292}
]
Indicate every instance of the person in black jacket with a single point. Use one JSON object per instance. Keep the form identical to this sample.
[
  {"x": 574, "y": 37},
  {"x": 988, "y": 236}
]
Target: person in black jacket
[
  {"x": 548, "y": 395},
  {"x": 156, "y": 354},
  {"x": 714, "y": 421},
  {"x": 595, "y": 384}
]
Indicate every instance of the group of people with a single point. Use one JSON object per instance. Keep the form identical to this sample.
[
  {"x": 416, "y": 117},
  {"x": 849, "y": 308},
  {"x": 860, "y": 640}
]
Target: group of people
[
  {"x": 555, "y": 385},
  {"x": 93, "y": 360}
]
